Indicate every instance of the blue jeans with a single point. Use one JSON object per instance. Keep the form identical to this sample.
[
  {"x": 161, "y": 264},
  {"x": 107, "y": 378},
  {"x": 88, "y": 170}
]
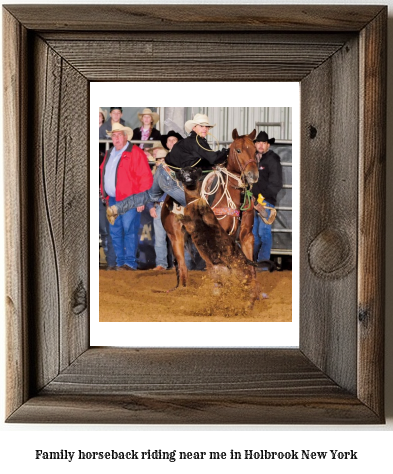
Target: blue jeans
[
  {"x": 160, "y": 243},
  {"x": 124, "y": 233},
  {"x": 162, "y": 183},
  {"x": 263, "y": 240},
  {"x": 106, "y": 239}
]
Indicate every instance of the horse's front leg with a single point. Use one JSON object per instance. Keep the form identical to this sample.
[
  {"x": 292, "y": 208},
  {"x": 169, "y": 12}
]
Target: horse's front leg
[
  {"x": 246, "y": 237},
  {"x": 175, "y": 232}
]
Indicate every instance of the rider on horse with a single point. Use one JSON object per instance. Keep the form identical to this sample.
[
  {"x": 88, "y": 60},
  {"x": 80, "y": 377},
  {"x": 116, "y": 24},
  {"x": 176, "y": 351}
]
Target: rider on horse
[{"x": 191, "y": 151}]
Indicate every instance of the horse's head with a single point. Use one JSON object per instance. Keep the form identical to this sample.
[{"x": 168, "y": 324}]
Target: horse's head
[
  {"x": 189, "y": 176},
  {"x": 242, "y": 156}
]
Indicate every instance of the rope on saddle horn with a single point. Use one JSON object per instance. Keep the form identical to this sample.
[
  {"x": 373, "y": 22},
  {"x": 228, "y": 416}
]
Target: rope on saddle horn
[{"x": 220, "y": 182}]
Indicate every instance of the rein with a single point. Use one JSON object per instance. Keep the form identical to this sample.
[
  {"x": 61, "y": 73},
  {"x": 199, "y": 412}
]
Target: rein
[
  {"x": 195, "y": 200},
  {"x": 247, "y": 199},
  {"x": 241, "y": 166}
]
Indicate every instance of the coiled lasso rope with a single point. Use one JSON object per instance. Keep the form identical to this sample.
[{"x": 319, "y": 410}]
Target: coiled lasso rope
[{"x": 221, "y": 181}]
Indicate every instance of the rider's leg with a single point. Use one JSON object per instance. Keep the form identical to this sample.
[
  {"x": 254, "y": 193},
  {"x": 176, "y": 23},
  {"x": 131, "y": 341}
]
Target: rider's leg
[
  {"x": 165, "y": 183},
  {"x": 162, "y": 183},
  {"x": 131, "y": 202}
]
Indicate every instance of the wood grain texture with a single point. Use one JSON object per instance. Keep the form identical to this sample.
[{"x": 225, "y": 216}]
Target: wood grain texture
[
  {"x": 185, "y": 18},
  {"x": 52, "y": 374},
  {"x": 371, "y": 231},
  {"x": 16, "y": 258},
  {"x": 151, "y": 57},
  {"x": 329, "y": 188},
  {"x": 193, "y": 386},
  {"x": 58, "y": 189}
]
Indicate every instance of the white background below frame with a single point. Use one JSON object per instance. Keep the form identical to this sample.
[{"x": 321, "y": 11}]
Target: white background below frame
[{"x": 181, "y": 334}]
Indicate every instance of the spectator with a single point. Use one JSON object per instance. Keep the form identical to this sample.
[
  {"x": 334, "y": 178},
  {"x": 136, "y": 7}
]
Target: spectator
[
  {"x": 124, "y": 171},
  {"x": 268, "y": 185},
  {"x": 170, "y": 139},
  {"x": 147, "y": 130},
  {"x": 160, "y": 237},
  {"x": 106, "y": 239},
  {"x": 103, "y": 114},
  {"x": 115, "y": 118}
]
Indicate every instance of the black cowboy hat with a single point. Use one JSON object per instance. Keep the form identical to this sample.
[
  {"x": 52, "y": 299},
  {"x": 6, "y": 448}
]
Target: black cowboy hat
[
  {"x": 172, "y": 133},
  {"x": 264, "y": 137}
]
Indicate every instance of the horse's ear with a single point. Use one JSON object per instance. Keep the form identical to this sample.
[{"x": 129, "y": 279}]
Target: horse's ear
[
  {"x": 235, "y": 135},
  {"x": 252, "y": 134}
]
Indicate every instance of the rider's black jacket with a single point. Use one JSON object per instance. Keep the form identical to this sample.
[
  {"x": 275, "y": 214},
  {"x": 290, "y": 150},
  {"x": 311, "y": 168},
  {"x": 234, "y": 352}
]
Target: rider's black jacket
[{"x": 190, "y": 150}]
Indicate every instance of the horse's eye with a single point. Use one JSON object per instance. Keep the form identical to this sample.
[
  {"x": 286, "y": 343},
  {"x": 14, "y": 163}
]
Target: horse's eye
[{"x": 238, "y": 150}]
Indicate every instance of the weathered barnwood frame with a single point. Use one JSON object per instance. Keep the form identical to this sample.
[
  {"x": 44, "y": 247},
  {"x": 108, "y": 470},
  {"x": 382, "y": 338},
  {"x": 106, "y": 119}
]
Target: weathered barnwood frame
[{"x": 338, "y": 54}]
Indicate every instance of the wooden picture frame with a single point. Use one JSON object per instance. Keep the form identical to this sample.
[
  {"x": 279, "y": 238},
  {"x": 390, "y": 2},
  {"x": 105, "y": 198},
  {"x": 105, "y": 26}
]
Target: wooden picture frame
[{"x": 338, "y": 54}]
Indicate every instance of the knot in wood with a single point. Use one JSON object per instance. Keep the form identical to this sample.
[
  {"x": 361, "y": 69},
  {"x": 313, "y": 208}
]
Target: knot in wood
[
  {"x": 330, "y": 255},
  {"x": 80, "y": 299},
  {"x": 364, "y": 316},
  {"x": 313, "y": 132}
]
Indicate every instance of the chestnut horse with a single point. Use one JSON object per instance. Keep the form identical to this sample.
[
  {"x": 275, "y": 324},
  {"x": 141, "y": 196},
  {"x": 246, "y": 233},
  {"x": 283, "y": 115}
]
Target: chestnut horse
[{"x": 231, "y": 198}]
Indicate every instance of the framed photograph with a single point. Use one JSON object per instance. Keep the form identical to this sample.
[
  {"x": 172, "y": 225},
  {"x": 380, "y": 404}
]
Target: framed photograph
[
  {"x": 198, "y": 315},
  {"x": 51, "y": 56}
]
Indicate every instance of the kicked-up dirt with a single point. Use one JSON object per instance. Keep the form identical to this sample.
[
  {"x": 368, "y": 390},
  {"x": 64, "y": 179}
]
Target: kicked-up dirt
[{"x": 143, "y": 296}]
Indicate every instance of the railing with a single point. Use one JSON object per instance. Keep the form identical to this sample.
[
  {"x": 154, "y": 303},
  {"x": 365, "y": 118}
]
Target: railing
[{"x": 151, "y": 143}]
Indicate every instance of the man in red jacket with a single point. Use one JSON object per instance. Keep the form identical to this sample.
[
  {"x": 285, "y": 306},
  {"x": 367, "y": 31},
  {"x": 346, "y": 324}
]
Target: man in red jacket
[{"x": 124, "y": 171}]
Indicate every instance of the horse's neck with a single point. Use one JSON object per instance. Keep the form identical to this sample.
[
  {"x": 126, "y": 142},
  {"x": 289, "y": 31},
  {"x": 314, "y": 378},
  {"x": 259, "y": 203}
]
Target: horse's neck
[{"x": 233, "y": 166}]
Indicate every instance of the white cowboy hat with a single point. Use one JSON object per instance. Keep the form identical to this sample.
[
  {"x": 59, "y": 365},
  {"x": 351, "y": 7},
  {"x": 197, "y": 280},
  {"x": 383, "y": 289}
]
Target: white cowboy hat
[
  {"x": 104, "y": 113},
  {"x": 153, "y": 115},
  {"x": 199, "y": 119},
  {"x": 161, "y": 153},
  {"x": 118, "y": 127}
]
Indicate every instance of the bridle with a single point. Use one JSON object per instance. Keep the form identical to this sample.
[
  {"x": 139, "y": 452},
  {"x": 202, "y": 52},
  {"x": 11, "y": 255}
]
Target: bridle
[{"x": 235, "y": 155}]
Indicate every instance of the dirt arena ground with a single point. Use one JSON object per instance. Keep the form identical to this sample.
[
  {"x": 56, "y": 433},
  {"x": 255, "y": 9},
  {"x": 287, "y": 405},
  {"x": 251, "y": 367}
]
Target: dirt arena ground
[{"x": 130, "y": 297}]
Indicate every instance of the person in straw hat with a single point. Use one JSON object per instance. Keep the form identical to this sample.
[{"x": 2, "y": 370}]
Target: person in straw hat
[
  {"x": 266, "y": 189},
  {"x": 147, "y": 131},
  {"x": 191, "y": 151},
  {"x": 125, "y": 171},
  {"x": 195, "y": 150}
]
